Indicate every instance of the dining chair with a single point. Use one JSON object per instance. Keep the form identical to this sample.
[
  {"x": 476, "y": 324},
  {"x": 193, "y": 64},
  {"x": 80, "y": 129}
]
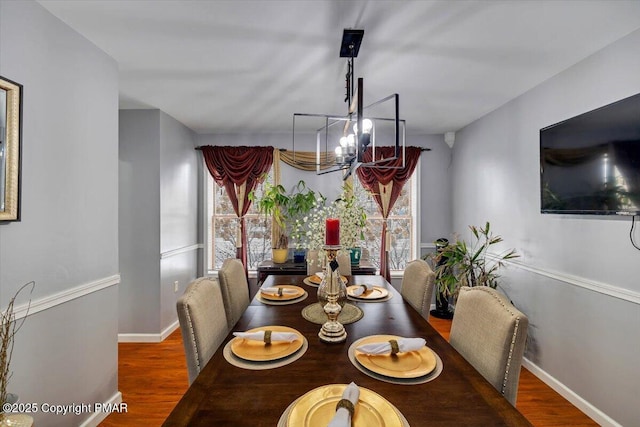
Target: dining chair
[
  {"x": 490, "y": 333},
  {"x": 315, "y": 263},
  {"x": 235, "y": 289},
  {"x": 344, "y": 263},
  {"x": 417, "y": 286},
  {"x": 203, "y": 322}
]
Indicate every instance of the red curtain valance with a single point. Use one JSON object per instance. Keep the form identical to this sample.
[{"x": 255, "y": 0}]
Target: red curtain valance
[
  {"x": 387, "y": 177},
  {"x": 239, "y": 170}
]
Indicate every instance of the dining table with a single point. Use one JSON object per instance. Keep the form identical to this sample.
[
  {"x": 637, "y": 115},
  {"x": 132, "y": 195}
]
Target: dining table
[{"x": 233, "y": 393}]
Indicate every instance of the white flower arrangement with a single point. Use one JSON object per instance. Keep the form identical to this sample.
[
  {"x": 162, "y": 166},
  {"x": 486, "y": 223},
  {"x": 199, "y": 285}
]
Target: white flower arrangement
[
  {"x": 352, "y": 215},
  {"x": 311, "y": 229}
]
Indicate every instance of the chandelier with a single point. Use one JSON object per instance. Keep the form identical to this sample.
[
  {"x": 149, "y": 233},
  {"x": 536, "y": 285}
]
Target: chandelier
[{"x": 341, "y": 141}]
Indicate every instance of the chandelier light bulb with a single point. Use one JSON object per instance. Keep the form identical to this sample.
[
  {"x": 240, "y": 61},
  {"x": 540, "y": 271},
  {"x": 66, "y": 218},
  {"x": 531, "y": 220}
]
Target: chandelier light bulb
[
  {"x": 343, "y": 142},
  {"x": 367, "y": 125},
  {"x": 338, "y": 151},
  {"x": 351, "y": 140}
]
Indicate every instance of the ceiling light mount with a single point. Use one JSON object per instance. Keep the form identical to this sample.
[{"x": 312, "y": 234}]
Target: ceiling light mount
[
  {"x": 333, "y": 133},
  {"x": 351, "y": 41}
]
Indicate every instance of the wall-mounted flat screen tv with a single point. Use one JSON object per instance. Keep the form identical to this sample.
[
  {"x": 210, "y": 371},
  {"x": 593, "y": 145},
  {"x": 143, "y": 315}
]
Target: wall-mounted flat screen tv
[{"x": 590, "y": 164}]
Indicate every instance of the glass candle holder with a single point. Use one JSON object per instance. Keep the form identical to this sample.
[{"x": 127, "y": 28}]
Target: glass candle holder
[{"x": 332, "y": 296}]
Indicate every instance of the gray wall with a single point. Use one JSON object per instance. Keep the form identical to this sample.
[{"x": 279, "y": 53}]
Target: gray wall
[
  {"x": 158, "y": 220},
  {"x": 577, "y": 278},
  {"x": 67, "y": 240},
  {"x": 435, "y": 190},
  {"x": 178, "y": 214},
  {"x": 139, "y": 212}
]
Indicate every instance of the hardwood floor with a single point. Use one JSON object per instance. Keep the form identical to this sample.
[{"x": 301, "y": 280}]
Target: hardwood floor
[
  {"x": 539, "y": 403},
  {"x": 153, "y": 378}
]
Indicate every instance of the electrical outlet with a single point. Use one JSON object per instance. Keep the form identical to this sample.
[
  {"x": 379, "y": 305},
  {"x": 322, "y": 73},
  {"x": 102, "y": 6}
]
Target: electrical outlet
[{"x": 176, "y": 286}]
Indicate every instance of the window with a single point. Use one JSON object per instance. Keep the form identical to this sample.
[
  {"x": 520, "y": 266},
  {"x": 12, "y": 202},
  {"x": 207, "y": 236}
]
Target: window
[
  {"x": 223, "y": 229},
  {"x": 401, "y": 229}
]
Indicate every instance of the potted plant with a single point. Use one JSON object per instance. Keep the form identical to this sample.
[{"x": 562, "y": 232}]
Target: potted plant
[
  {"x": 459, "y": 264},
  {"x": 284, "y": 208},
  {"x": 302, "y": 200},
  {"x": 353, "y": 220}
]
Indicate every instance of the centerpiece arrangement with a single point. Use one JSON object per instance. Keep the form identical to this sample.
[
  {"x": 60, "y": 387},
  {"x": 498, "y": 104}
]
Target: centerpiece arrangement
[
  {"x": 349, "y": 209},
  {"x": 353, "y": 220}
]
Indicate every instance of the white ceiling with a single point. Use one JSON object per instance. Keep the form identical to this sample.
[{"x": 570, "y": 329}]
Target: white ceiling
[{"x": 235, "y": 66}]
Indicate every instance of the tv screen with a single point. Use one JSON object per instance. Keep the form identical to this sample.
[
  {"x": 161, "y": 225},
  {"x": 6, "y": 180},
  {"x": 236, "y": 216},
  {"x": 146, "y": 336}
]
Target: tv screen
[{"x": 590, "y": 164}]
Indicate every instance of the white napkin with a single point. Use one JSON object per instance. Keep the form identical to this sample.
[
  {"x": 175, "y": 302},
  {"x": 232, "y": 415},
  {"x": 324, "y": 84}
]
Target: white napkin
[
  {"x": 361, "y": 290},
  {"x": 274, "y": 291},
  {"x": 404, "y": 344},
  {"x": 342, "y": 418},
  {"x": 275, "y": 336}
]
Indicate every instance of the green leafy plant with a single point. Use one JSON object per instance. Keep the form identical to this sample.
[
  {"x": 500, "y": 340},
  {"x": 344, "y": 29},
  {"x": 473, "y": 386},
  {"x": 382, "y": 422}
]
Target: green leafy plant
[
  {"x": 285, "y": 208},
  {"x": 460, "y": 264},
  {"x": 302, "y": 200}
]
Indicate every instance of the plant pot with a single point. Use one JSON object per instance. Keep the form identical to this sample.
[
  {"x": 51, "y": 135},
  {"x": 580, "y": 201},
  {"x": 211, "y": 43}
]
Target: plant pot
[
  {"x": 12, "y": 419},
  {"x": 442, "y": 308},
  {"x": 280, "y": 255},
  {"x": 299, "y": 255},
  {"x": 355, "y": 256}
]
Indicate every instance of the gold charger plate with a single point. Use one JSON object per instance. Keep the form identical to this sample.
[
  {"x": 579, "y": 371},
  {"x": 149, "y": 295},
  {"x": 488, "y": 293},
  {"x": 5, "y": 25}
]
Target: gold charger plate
[
  {"x": 412, "y": 364},
  {"x": 316, "y": 280},
  {"x": 318, "y": 406},
  {"x": 258, "y": 351},
  {"x": 284, "y": 297},
  {"x": 375, "y": 293}
]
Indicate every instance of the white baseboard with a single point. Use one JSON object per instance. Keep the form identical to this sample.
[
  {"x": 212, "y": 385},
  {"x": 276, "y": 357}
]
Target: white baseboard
[
  {"x": 577, "y": 401},
  {"x": 97, "y": 417},
  {"x": 149, "y": 337}
]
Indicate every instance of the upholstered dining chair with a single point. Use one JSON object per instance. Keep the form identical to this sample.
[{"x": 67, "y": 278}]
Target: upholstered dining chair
[
  {"x": 490, "y": 333},
  {"x": 203, "y": 322},
  {"x": 235, "y": 289},
  {"x": 315, "y": 263},
  {"x": 344, "y": 263},
  {"x": 417, "y": 286}
]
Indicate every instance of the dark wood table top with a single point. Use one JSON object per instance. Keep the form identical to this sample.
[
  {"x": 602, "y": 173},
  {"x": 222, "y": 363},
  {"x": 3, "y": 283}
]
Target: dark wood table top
[{"x": 224, "y": 395}]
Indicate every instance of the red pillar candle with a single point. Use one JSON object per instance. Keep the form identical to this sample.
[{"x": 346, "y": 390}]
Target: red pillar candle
[{"x": 332, "y": 235}]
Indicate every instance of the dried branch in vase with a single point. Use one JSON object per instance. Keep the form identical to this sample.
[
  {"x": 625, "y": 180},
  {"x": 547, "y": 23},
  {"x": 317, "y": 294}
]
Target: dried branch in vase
[{"x": 8, "y": 331}]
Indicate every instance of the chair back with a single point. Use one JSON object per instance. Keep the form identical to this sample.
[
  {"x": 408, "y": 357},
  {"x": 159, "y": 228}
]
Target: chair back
[
  {"x": 490, "y": 333},
  {"x": 344, "y": 263},
  {"x": 417, "y": 286},
  {"x": 203, "y": 322},
  {"x": 315, "y": 263},
  {"x": 235, "y": 289}
]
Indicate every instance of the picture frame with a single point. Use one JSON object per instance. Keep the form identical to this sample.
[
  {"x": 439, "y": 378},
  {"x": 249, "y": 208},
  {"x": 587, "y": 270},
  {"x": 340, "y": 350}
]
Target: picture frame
[{"x": 10, "y": 149}]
